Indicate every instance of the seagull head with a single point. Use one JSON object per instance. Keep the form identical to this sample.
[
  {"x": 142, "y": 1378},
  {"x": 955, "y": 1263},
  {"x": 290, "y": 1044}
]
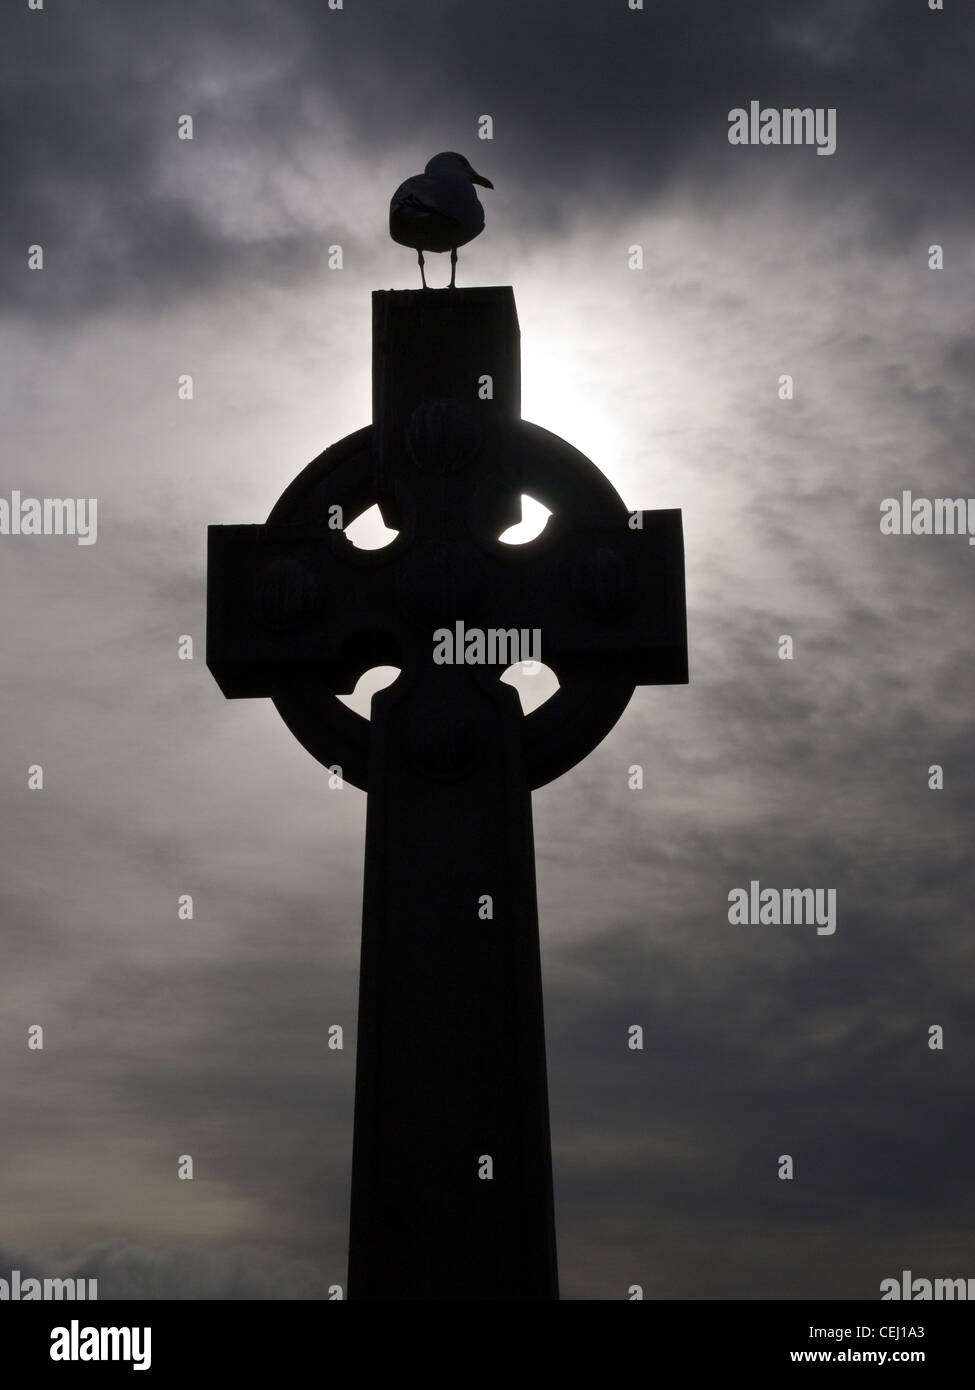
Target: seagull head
[{"x": 451, "y": 163}]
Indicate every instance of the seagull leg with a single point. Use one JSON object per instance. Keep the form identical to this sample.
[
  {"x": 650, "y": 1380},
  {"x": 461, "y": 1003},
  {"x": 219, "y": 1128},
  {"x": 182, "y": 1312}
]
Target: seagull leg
[
  {"x": 453, "y": 267},
  {"x": 419, "y": 257}
]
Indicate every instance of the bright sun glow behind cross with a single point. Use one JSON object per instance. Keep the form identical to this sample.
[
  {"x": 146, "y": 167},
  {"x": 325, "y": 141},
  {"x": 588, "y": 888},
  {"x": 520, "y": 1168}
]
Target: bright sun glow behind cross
[
  {"x": 368, "y": 531},
  {"x": 532, "y": 523}
]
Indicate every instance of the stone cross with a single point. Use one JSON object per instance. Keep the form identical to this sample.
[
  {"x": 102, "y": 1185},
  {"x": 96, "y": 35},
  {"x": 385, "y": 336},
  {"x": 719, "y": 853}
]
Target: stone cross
[{"x": 451, "y": 1170}]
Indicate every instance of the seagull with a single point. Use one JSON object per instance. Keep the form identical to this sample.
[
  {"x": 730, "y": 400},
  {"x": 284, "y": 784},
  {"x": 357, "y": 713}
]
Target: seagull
[{"x": 438, "y": 210}]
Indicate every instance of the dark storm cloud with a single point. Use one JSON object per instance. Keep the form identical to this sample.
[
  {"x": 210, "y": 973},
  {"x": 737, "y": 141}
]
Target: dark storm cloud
[{"x": 91, "y": 95}]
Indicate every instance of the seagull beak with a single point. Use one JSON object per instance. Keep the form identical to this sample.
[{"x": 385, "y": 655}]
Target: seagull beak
[{"x": 477, "y": 178}]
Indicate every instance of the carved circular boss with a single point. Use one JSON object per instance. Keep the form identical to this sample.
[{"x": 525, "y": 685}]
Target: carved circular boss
[{"x": 519, "y": 458}]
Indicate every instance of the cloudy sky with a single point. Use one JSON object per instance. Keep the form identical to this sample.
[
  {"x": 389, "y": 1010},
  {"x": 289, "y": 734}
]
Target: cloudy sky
[{"x": 164, "y": 256}]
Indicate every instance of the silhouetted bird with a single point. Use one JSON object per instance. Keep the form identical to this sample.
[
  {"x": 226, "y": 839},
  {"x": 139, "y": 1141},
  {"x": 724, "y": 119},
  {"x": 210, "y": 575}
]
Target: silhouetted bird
[{"x": 438, "y": 210}]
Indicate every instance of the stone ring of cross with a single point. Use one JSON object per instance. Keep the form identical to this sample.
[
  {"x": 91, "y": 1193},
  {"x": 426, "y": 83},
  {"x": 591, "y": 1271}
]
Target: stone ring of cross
[{"x": 601, "y": 587}]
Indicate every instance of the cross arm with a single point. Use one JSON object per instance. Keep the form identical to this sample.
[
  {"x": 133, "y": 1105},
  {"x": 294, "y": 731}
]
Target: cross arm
[
  {"x": 284, "y": 600},
  {"x": 602, "y": 598}
]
